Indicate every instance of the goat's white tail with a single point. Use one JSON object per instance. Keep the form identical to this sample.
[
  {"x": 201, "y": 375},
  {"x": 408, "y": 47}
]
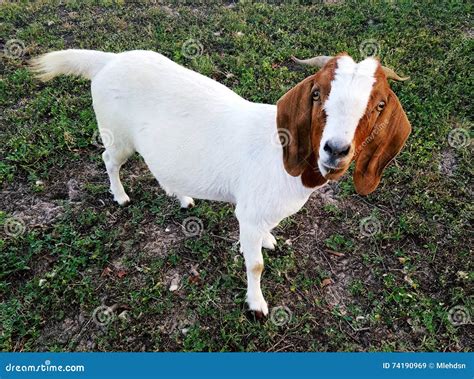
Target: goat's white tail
[{"x": 86, "y": 63}]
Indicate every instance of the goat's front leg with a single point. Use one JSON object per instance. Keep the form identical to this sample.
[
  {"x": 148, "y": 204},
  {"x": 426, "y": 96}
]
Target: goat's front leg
[{"x": 251, "y": 245}]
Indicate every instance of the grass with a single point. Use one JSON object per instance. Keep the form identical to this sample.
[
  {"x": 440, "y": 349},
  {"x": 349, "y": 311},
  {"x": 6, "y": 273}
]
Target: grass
[{"x": 337, "y": 289}]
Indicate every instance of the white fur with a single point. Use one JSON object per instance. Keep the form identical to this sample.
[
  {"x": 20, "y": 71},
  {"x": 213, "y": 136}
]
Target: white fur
[
  {"x": 346, "y": 104},
  {"x": 199, "y": 139}
]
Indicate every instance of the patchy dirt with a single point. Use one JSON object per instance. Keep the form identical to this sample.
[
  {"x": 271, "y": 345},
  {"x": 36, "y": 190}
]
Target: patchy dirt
[
  {"x": 447, "y": 162},
  {"x": 336, "y": 269},
  {"x": 157, "y": 241},
  {"x": 34, "y": 211}
]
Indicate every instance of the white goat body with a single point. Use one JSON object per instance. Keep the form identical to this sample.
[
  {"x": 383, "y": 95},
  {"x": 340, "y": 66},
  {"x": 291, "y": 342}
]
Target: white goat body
[{"x": 199, "y": 139}]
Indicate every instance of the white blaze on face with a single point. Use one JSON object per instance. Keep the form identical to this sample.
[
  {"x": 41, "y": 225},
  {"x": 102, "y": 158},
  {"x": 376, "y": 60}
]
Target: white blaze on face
[{"x": 346, "y": 104}]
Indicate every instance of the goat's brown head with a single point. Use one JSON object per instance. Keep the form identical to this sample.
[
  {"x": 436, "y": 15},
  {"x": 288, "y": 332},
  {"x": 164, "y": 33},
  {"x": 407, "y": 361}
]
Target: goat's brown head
[{"x": 344, "y": 112}]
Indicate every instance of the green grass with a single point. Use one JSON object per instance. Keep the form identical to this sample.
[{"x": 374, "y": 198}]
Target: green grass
[{"x": 391, "y": 291}]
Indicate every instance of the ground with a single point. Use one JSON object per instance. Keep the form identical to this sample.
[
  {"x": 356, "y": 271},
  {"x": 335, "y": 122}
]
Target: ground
[{"x": 388, "y": 272}]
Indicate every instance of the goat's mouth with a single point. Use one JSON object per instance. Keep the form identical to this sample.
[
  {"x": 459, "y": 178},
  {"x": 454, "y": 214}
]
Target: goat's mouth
[
  {"x": 332, "y": 172},
  {"x": 333, "y": 167}
]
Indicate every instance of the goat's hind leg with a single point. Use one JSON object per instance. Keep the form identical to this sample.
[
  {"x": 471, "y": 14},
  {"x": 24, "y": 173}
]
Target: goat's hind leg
[{"x": 114, "y": 159}]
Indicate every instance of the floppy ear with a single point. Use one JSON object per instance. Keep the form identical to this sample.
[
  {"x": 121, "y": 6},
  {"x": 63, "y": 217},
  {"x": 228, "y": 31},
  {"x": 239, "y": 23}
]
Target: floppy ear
[
  {"x": 294, "y": 127},
  {"x": 385, "y": 142}
]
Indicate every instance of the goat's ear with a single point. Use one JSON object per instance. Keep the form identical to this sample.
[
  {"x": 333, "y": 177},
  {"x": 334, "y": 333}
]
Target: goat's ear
[
  {"x": 387, "y": 139},
  {"x": 294, "y": 127}
]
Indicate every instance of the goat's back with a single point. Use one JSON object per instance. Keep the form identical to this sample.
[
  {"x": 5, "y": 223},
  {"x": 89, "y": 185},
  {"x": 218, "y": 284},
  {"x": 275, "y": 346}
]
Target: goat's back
[{"x": 182, "y": 122}]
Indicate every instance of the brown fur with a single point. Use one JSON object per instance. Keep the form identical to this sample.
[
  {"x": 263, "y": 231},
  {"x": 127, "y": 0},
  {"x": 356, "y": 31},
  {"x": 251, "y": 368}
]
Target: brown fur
[
  {"x": 378, "y": 138},
  {"x": 303, "y": 120},
  {"x": 257, "y": 269}
]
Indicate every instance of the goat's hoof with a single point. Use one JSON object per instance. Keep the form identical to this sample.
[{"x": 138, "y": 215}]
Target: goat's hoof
[
  {"x": 122, "y": 200},
  {"x": 256, "y": 316},
  {"x": 186, "y": 202},
  {"x": 259, "y": 315},
  {"x": 259, "y": 307},
  {"x": 189, "y": 206}
]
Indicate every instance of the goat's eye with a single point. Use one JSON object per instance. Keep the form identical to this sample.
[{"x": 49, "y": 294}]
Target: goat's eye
[
  {"x": 316, "y": 95},
  {"x": 381, "y": 106}
]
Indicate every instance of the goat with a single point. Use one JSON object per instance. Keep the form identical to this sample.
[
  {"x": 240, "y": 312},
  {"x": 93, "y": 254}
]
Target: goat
[{"x": 202, "y": 140}]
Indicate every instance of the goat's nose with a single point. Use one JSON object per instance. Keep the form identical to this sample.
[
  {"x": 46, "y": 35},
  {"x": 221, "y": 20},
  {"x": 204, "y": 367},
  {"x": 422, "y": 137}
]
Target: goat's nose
[{"x": 337, "y": 149}]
